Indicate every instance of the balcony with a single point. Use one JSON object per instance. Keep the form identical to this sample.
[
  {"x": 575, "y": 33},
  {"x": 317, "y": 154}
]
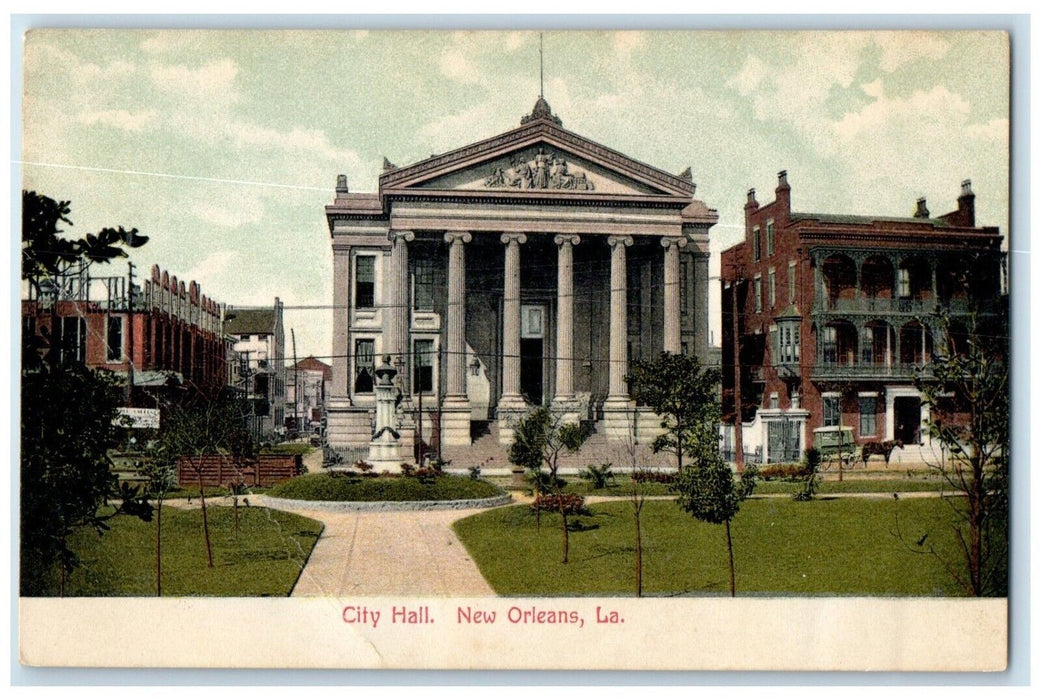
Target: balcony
[
  {"x": 837, "y": 371},
  {"x": 909, "y": 307}
]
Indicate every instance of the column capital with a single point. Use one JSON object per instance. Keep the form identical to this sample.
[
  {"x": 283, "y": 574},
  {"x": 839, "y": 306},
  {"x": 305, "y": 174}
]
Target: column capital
[
  {"x": 407, "y": 236},
  {"x": 669, "y": 241},
  {"x": 562, "y": 238},
  {"x": 341, "y": 250},
  {"x": 508, "y": 238},
  {"x": 461, "y": 236},
  {"x": 614, "y": 241}
]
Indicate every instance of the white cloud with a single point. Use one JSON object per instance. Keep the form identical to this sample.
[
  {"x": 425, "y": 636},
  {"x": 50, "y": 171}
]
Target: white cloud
[
  {"x": 169, "y": 40},
  {"x": 457, "y": 66},
  {"x": 216, "y": 78},
  {"x": 118, "y": 118},
  {"x": 627, "y": 42},
  {"x": 900, "y": 48},
  {"x": 228, "y": 213},
  {"x": 995, "y": 129},
  {"x": 749, "y": 77},
  {"x": 922, "y": 111}
]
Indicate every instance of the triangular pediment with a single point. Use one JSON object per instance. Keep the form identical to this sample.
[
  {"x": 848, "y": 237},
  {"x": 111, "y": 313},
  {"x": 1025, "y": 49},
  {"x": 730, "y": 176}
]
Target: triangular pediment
[{"x": 539, "y": 158}]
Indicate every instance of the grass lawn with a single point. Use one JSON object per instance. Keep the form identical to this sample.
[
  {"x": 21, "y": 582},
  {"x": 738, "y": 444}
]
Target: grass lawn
[
  {"x": 867, "y": 485},
  {"x": 326, "y": 487},
  {"x": 828, "y": 546},
  {"x": 264, "y": 560}
]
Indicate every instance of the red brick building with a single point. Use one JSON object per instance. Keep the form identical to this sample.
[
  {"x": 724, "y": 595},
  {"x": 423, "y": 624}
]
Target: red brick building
[
  {"x": 836, "y": 314},
  {"x": 163, "y": 332}
]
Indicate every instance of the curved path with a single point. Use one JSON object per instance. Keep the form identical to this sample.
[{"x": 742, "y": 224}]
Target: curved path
[{"x": 388, "y": 554}]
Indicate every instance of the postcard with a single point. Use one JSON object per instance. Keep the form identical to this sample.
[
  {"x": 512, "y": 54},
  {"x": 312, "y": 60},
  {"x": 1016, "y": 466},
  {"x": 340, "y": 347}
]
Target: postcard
[{"x": 638, "y": 350}]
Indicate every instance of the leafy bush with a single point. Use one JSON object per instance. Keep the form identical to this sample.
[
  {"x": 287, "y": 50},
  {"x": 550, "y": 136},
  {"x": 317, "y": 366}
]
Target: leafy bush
[
  {"x": 325, "y": 487},
  {"x": 812, "y": 482},
  {"x": 475, "y": 472},
  {"x": 790, "y": 471},
  {"x": 643, "y": 476},
  {"x": 598, "y": 476},
  {"x": 572, "y": 503}
]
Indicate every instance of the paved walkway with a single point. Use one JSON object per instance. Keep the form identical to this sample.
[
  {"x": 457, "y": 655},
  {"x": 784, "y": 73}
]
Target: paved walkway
[{"x": 388, "y": 554}]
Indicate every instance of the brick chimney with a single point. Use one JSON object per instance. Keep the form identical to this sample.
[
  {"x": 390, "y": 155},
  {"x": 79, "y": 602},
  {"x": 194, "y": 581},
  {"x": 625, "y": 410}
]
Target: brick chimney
[
  {"x": 921, "y": 211},
  {"x": 783, "y": 195},
  {"x": 967, "y": 204},
  {"x": 751, "y": 207}
]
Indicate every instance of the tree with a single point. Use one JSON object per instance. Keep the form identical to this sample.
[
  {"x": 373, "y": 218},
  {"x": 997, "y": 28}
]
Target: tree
[
  {"x": 686, "y": 397},
  {"x": 68, "y": 416},
  {"x": 707, "y": 491},
  {"x": 966, "y": 386},
  {"x": 538, "y": 441},
  {"x": 636, "y": 496},
  {"x": 198, "y": 427},
  {"x": 162, "y": 476},
  {"x": 68, "y": 412}
]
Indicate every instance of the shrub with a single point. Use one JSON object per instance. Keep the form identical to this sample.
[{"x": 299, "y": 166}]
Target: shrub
[
  {"x": 475, "y": 472},
  {"x": 598, "y": 476},
  {"x": 571, "y": 503},
  {"x": 790, "y": 471},
  {"x": 363, "y": 466},
  {"x": 325, "y": 487},
  {"x": 643, "y": 476},
  {"x": 812, "y": 482},
  {"x": 407, "y": 469}
]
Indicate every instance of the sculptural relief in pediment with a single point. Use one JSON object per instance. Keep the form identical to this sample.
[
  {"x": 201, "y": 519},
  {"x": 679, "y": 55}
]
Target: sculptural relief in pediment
[
  {"x": 540, "y": 168},
  {"x": 544, "y": 171}
]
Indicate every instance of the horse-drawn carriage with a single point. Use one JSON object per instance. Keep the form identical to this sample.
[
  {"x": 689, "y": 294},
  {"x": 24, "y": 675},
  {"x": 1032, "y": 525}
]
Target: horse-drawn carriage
[{"x": 835, "y": 443}]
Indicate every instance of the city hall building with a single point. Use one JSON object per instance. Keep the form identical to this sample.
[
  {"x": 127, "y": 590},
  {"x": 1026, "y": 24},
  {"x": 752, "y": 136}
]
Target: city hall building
[{"x": 528, "y": 269}]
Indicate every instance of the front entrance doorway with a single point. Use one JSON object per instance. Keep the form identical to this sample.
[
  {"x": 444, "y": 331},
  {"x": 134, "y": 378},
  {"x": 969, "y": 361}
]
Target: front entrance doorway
[
  {"x": 532, "y": 348},
  {"x": 907, "y": 419}
]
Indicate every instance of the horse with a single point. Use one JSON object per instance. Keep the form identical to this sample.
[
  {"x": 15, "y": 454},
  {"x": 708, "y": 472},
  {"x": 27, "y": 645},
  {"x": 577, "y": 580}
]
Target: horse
[{"x": 879, "y": 448}]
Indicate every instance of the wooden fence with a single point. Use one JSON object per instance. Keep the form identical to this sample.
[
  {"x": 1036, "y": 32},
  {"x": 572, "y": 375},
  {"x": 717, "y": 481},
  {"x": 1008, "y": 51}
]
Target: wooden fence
[{"x": 221, "y": 470}]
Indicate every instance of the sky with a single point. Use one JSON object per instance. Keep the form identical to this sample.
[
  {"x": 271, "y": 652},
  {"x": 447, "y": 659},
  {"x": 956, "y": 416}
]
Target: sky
[{"x": 224, "y": 146}]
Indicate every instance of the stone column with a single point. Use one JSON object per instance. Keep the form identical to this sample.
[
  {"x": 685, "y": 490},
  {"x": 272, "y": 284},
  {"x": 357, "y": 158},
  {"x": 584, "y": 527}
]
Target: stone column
[
  {"x": 617, "y": 406},
  {"x": 511, "y": 323},
  {"x": 701, "y": 282},
  {"x": 671, "y": 293},
  {"x": 564, "y": 392},
  {"x": 341, "y": 360},
  {"x": 398, "y": 306},
  {"x": 455, "y": 411}
]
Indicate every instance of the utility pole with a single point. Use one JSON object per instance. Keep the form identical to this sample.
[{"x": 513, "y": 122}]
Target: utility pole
[
  {"x": 739, "y": 453},
  {"x": 130, "y": 334},
  {"x": 296, "y": 384}
]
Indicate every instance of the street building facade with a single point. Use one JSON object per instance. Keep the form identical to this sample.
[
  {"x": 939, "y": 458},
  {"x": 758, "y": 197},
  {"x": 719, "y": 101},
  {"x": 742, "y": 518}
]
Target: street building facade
[
  {"x": 836, "y": 315},
  {"x": 161, "y": 334},
  {"x": 308, "y": 384},
  {"x": 528, "y": 269},
  {"x": 258, "y": 342}
]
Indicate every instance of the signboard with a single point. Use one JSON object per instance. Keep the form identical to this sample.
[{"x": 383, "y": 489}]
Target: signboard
[{"x": 137, "y": 418}]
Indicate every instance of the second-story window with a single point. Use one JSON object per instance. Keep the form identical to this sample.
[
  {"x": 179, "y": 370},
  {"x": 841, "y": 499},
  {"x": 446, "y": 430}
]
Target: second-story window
[
  {"x": 791, "y": 282},
  {"x": 903, "y": 283},
  {"x": 423, "y": 279},
  {"x": 756, "y": 250},
  {"x": 365, "y": 282},
  {"x": 771, "y": 287},
  {"x": 829, "y": 344},
  {"x": 757, "y": 292},
  {"x": 115, "y": 339},
  {"x": 769, "y": 238}
]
